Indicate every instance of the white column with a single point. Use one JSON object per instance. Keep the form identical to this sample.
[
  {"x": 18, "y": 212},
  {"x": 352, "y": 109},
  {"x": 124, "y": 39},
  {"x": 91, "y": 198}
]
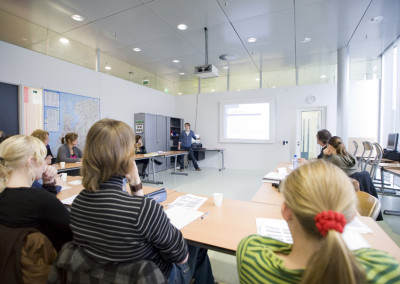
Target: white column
[
  {"x": 97, "y": 60},
  {"x": 343, "y": 63}
]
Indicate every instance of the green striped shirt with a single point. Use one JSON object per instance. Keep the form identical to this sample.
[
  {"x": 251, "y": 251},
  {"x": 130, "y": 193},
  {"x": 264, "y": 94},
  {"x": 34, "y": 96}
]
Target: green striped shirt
[{"x": 257, "y": 262}]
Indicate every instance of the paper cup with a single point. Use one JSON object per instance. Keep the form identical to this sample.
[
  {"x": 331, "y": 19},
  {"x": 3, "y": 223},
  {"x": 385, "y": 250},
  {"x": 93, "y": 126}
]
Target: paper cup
[
  {"x": 62, "y": 165},
  {"x": 218, "y": 199},
  {"x": 64, "y": 176}
]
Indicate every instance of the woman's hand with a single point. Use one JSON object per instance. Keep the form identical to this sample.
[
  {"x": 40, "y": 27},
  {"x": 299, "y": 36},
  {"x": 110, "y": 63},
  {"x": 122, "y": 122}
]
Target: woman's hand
[
  {"x": 134, "y": 179},
  {"x": 49, "y": 174},
  {"x": 48, "y": 159},
  {"x": 327, "y": 151}
]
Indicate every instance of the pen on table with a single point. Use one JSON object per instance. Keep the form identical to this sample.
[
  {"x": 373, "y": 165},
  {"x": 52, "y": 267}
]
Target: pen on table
[{"x": 204, "y": 216}]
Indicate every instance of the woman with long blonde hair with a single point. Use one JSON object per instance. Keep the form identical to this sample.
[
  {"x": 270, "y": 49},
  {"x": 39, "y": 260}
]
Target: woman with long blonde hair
[
  {"x": 319, "y": 200},
  {"x": 22, "y": 160}
]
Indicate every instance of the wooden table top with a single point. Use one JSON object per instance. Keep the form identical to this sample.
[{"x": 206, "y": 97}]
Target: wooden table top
[
  {"x": 76, "y": 189},
  {"x": 268, "y": 195},
  {"x": 68, "y": 166},
  {"x": 226, "y": 226}
]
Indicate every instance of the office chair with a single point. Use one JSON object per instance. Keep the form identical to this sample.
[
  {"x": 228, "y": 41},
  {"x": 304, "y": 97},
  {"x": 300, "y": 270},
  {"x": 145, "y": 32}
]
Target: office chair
[{"x": 368, "y": 205}]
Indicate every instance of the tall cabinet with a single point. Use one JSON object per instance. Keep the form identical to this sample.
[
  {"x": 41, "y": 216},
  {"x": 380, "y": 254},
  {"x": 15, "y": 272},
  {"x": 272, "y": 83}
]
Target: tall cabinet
[{"x": 156, "y": 134}]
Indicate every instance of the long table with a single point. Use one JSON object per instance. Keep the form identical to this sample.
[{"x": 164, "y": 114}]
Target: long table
[
  {"x": 152, "y": 157},
  {"x": 225, "y": 226},
  {"x": 219, "y": 150},
  {"x": 77, "y": 188}
]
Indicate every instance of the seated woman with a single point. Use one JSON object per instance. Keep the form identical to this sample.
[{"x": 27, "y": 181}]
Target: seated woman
[
  {"x": 111, "y": 225},
  {"x": 140, "y": 149},
  {"x": 318, "y": 202},
  {"x": 68, "y": 152},
  {"x": 337, "y": 154},
  {"x": 22, "y": 160},
  {"x": 44, "y": 137}
]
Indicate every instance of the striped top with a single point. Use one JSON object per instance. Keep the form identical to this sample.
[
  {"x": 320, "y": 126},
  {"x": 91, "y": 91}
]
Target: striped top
[
  {"x": 112, "y": 226},
  {"x": 257, "y": 262}
]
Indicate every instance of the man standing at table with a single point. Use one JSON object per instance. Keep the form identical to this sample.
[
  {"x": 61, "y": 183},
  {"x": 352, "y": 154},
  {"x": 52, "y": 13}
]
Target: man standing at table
[{"x": 185, "y": 144}]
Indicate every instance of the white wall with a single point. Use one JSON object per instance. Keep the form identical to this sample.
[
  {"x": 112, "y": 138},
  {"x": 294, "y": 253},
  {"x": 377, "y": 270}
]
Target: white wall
[
  {"x": 255, "y": 156},
  {"x": 119, "y": 99},
  {"x": 364, "y": 109}
]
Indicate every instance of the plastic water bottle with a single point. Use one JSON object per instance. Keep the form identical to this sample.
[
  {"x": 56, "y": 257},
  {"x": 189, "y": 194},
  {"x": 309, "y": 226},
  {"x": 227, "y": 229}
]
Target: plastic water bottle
[{"x": 295, "y": 162}]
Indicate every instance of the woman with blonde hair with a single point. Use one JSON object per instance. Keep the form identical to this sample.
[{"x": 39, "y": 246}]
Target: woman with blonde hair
[
  {"x": 44, "y": 137},
  {"x": 22, "y": 160},
  {"x": 69, "y": 152},
  {"x": 111, "y": 225},
  {"x": 319, "y": 201},
  {"x": 337, "y": 154}
]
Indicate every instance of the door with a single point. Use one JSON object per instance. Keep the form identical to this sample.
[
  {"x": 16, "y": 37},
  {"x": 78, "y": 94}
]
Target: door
[{"x": 309, "y": 122}]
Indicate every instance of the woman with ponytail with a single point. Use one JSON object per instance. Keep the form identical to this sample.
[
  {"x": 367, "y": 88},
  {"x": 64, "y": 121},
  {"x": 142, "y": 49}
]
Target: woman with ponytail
[
  {"x": 22, "y": 160},
  {"x": 68, "y": 151},
  {"x": 337, "y": 154},
  {"x": 319, "y": 201}
]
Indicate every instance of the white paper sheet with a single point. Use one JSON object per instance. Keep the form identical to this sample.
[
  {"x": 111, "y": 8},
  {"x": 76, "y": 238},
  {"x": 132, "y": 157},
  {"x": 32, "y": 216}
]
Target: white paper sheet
[
  {"x": 188, "y": 201},
  {"x": 65, "y": 187},
  {"x": 356, "y": 226},
  {"x": 75, "y": 182},
  {"x": 279, "y": 230},
  {"x": 69, "y": 200},
  {"x": 180, "y": 217}
]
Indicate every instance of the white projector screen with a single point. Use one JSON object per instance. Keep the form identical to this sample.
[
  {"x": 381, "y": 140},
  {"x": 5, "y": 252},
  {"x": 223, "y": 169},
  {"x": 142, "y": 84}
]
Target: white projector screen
[{"x": 247, "y": 122}]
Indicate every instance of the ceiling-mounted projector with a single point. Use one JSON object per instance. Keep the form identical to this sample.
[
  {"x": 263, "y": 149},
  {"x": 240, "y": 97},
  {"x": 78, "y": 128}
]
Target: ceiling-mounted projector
[{"x": 206, "y": 71}]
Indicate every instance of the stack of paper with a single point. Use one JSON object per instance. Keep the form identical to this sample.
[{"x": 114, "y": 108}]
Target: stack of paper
[
  {"x": 274, "y": 177},
  {"x": 279, "y": 230},
  {"x": 180, "y": 216},
  {"x": 184, "y": 210}
]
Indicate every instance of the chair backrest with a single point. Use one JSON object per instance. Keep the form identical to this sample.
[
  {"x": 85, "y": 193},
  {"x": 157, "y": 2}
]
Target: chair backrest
[
  {"x": 26, "y": 255},
  {"x": 74, "y": 266},
  {"x": 366, "y": 155},
  {"x": 355, "y": 148},
  {"x": 368, "y": 205},
  {"x": 378, "y": 157}
]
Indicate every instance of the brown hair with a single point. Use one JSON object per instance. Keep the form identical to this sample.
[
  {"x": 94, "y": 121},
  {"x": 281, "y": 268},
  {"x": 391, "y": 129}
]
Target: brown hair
[
  {"x": 187, "y": 123},
  {"x": 109, "y": 151},
  {"x": 69, "y": 138},
  {"x": 14, "y": 153},
  {"x": 336, "y": 142},
  {"x": 40, "y": 134},
  {"x": 312, "y": 188},
  {"x": 323, "y": 135},
  {"x": 137, "y": 137}
]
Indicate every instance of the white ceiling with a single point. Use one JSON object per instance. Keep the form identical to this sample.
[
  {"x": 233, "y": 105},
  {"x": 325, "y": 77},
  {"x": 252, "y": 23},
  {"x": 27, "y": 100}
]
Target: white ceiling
[{"x": 115, "y": 27}]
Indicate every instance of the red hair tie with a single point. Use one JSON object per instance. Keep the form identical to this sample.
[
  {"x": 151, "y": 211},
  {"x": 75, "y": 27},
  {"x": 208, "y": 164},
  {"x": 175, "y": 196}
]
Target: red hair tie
[{"x": 330, "y": 220}]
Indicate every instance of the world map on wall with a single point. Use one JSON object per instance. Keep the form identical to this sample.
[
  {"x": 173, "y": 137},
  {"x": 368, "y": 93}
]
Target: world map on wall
[{"x": 64, "y": 113}]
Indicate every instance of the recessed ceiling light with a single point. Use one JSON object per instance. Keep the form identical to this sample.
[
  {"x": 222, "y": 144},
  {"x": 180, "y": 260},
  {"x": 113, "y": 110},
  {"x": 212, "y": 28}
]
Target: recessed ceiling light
[
  {"x": 108, "y": 67},
  {"x": 273, "y": 87},
  {"x": 78, "y": 18},
  {"x": 323, "y": 76},
  {"x": 257, "y": 79},
  {"x": 182, "y": 27},
  {"x": 305, "y": 40},
  {"x": 212, "y": 90},
  {"x": 376, "y": 20},
  {"x": 137, "y": 49},
  {"x": 182, "y": 73},
  {"x": 176, "y": 61},
  {"x": 179, "y": 93},
  {"x": 226, "y": 67},
  {"x": 64, "y": 40},
  {"x": 238, "y": 89},
  {"x": 252, "y": 39}
]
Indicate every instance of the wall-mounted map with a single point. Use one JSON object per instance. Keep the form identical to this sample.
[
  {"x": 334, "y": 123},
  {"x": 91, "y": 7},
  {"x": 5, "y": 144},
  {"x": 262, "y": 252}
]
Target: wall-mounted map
[{"x": 64, "y": 113}]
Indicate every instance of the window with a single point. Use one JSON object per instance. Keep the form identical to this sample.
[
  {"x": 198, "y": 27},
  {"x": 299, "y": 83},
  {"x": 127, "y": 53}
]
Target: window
[{"x": 247, "y": 121}]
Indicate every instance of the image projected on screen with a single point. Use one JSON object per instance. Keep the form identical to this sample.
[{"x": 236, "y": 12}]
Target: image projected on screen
[{"x": 248, "y": 122}]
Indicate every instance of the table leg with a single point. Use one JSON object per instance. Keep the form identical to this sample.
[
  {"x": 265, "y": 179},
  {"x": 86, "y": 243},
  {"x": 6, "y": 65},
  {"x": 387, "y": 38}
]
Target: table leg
[
  {"x": 154, "y": 181},
  {"x": 175, "y": 172},
  {"x": 222, "y": 157}
]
